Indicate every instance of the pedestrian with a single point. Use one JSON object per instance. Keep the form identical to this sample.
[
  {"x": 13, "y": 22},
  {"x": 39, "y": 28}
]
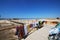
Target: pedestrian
[
  {"x": 26, "y": 31},
  {"x": 37, "y": 26},
  {"x": 20, "y": 31}
]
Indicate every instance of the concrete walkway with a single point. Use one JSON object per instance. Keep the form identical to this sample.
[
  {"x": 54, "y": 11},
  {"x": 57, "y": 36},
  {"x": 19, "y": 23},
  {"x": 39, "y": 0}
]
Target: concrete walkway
[{"x": 41, "y": 34}]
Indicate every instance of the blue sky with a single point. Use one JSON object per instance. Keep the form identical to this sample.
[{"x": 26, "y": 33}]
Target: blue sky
[{"x": 30, "y": 8}]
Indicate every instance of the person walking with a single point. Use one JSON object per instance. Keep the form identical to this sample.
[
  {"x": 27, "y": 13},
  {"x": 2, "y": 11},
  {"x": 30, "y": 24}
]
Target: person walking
[{"x": 20, "y": 31}]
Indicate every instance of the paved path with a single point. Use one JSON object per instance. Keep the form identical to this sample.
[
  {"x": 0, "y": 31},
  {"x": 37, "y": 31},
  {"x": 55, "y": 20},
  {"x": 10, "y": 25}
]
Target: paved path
[{"x": 41, "y": 34}]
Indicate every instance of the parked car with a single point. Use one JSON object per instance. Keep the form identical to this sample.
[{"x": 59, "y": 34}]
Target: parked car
[{"x": 54, "y": 33}]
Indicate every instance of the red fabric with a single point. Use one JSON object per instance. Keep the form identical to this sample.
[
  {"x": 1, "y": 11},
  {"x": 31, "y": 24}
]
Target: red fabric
[
  {"x": 21, "y": 31},
  {"x": 31, "y": 25}
]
